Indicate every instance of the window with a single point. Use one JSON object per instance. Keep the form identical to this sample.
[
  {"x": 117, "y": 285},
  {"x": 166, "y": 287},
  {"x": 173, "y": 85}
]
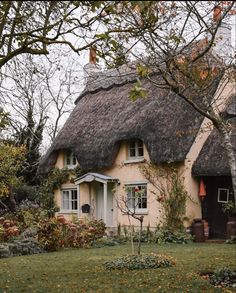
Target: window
[
  {"x": 137, "y": 196},
  {"x": 69, "y": 200},
  {"x": 135, "y": 149},
  {"x": 223, "y": 195},
  {"x": 70, "y": 160}
]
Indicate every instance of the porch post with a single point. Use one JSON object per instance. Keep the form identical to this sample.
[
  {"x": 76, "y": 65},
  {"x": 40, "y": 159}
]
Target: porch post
[
  {"x": 105, "y": 202},
  {"x": 78, "y": 200}
]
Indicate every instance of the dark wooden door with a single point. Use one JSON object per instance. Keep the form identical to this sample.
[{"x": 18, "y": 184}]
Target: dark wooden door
[{"x": 212, "y": 205}]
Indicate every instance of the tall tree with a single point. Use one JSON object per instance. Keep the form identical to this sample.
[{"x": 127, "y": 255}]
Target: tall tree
[
  {"x": 34, "y": 26},
  {"x": 37, "y": 93},
  {"x": 185, "y": 46}
]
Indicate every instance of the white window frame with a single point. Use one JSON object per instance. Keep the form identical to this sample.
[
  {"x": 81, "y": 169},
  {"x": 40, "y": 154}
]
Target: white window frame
[
  {"x": 219, "y": 191},
  {"x": 134, "y": 207},
  {"x": 70, "y": 200},
  {"x": 70, "y": 156},
  {"x": 136, "y": 149}
]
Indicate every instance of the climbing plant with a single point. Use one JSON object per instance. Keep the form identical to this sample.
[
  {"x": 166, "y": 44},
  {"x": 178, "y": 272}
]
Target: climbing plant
[
  {"x": 54, "y": 179},
  {"x": 170, "y": 193}
]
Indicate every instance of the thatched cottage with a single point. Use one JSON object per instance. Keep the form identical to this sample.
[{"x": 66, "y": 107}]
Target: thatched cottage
[{"x": 110, "y": 135}]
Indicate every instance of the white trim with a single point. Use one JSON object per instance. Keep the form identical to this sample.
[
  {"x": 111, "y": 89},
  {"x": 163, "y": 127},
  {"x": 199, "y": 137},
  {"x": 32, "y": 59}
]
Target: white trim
[
  {"x": 134, "y": 160},
  {"x": 69, "y": 211},
  {"x": 138, "y": 182},
  {"x": 71, "y": 156},
  {"x": 84, "y": 180},
  {"x": 71, "y": 167},
  {"x": 90, "y": 177},
  {"x": 136, "y": 149},
  {"x": 138, "y": 211},
  {"x": 105, "y": 202},
  {"x": 141, "y": 211},
  {"x": 223, "y": 189},
  {"x": 66, "y": 187},
  {"x": 78, "y": 201}
]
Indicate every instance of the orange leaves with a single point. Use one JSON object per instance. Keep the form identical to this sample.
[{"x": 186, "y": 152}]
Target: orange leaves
[
  {"x": 181, "y": 60},
  {"x": 203, "y": 74}
]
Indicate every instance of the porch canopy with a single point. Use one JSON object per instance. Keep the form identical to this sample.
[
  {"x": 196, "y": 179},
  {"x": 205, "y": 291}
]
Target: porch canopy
[
  {"x": 104, "y": 179},
  {"x": 89, "y": 177}
]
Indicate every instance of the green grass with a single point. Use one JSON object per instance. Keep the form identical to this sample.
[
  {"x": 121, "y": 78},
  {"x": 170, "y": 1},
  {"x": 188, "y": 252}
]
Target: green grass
[{"x": 81, "y": 270}]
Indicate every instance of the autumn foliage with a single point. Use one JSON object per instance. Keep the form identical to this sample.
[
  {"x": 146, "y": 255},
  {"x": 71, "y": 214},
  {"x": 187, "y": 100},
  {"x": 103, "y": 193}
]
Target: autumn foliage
[{"x": 58, "y": 232}]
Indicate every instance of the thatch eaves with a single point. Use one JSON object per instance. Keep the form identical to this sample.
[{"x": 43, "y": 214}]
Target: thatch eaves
[
  {"x": 104, "y": 116},
  {"x": 212, "y": 159}
]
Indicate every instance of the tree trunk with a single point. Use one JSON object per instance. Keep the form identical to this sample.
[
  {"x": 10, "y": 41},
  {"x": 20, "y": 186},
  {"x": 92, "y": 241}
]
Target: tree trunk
[
  {"x": 12, "y": 200},
  {"x": 2, "y": 204},
  {"x": 140, "y": 234},
  {"x": 231, "y": 156}
]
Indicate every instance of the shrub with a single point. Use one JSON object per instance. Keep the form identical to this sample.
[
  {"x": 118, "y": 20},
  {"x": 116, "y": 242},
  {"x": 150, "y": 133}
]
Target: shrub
[
  {"x": 8, "y": 230},
  {"x": 223, "y": 277},
  {"x": 140, "y": 262},
  {"x": 50, "y": 234},
  {"x": 108, "y": 241},
  {"x": 146, "y": 236},
  {"x": 167, "y": 236},
  {"x": 26, "y": 193},
  {"x": 56, "y": 233},
  {"x": 27, "y": 215},
  {"x": 89, "y": 232},
  {"x": 232, "y": 240}
]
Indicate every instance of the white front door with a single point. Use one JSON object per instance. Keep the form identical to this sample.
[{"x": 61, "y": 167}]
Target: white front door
[{"x": 100, "y": 206}]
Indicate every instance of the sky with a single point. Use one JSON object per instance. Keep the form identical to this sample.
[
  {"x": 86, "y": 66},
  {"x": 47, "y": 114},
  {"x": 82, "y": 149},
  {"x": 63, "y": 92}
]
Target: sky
[{"x": 83, "y": 58}]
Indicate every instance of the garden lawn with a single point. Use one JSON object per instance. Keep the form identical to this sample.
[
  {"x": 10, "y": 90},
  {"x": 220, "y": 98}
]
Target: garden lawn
[{"x": 81, "y": 270}]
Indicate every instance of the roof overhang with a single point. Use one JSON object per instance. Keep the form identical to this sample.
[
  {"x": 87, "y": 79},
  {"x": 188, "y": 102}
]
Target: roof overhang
[{"x": 90, "y": 177}]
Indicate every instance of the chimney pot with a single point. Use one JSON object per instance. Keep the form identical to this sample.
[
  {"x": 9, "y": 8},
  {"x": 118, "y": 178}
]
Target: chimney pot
[
  {"x": 217, "y": 13},
  {"x": 92, "y": 55}
]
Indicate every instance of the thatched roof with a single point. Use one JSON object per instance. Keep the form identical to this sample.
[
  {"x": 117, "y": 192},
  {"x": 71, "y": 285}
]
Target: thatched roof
[
  {"x": 104, "y": 116},
  {"x": 213, "y": 160}
]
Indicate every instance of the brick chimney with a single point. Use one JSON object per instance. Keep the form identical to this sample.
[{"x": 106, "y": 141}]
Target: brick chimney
[
  {"x": 92, "y": 68},
  {"x": 92, "y": 55}
]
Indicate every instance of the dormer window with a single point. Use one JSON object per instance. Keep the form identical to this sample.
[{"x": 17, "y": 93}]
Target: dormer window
[
  {"x": 70, "y": 160},
  {"x": 135, "y": 149}
]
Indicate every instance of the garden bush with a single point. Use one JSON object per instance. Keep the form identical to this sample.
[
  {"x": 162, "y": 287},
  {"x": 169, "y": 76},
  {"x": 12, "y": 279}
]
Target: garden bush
[
  {"x": 107, "y": 241},
  {"x": 55, "y": 233},
  {"x": 140, "y": 262},
  {"x": 166, "y": 236},
  {"x": 159, "y": 235},
  {"x": 232, "y": 240},
  {"x": 8, "y": 229},
  {"x": 27, "y": 215},
  {"x": 223, "y": 277},
  {"x": 50, "y": 234}
]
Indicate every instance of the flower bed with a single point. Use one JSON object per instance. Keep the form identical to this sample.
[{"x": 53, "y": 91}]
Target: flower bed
[{"x": 140, "y": 262}]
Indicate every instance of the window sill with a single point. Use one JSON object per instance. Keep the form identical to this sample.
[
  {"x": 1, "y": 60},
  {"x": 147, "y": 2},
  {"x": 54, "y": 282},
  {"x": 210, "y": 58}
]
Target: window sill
[
  {"x": 68, "y": 212},
  {"x": 70, "y": 167},
  {"x": 139, "y": 212},
  {"x": 133, "y": 161}
]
